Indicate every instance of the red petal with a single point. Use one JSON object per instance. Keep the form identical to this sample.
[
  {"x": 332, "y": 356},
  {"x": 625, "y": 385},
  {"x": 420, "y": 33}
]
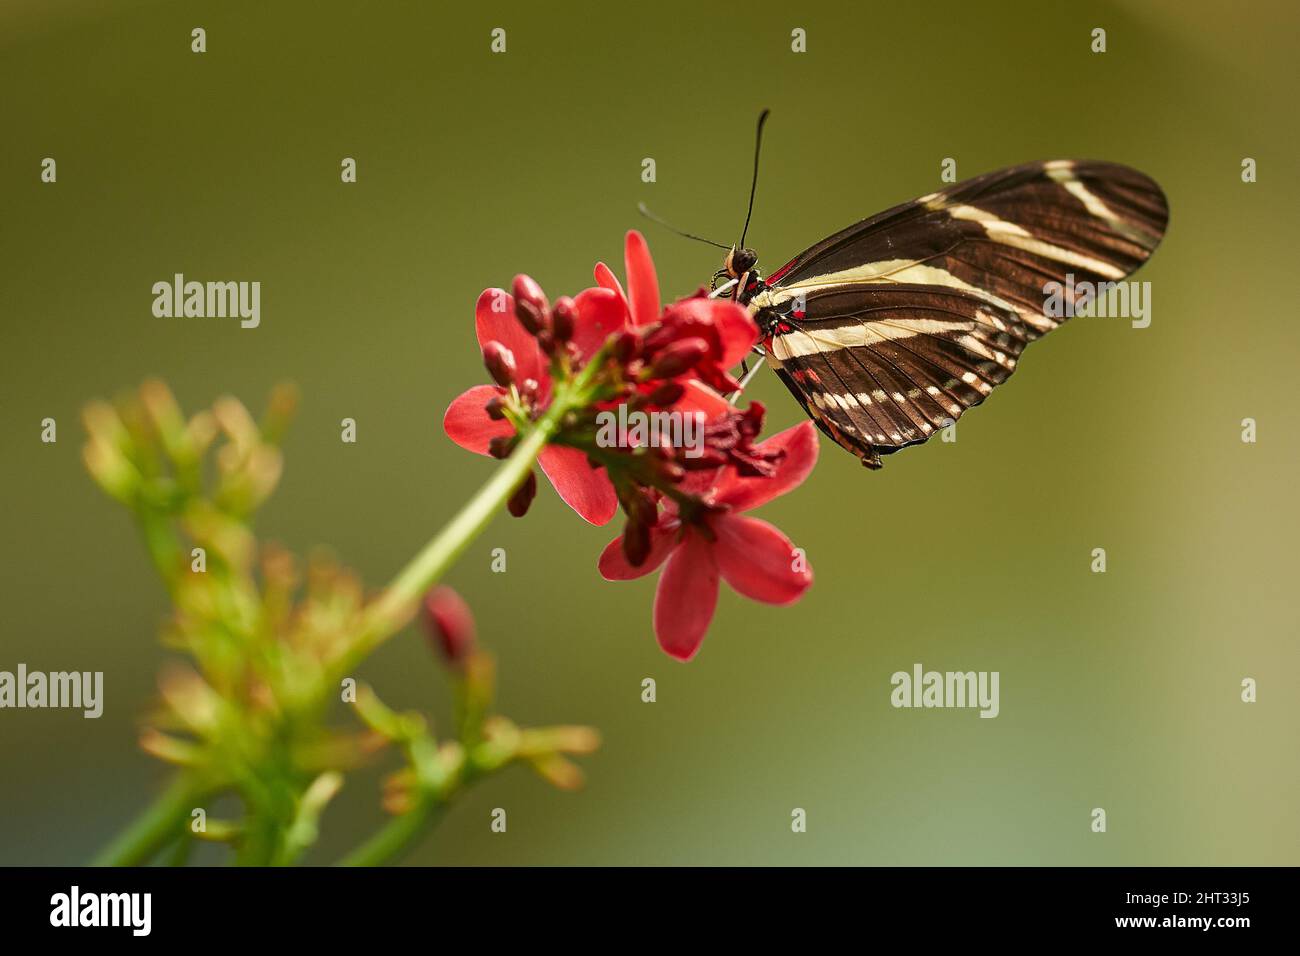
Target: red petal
[
  {"x": 494, "y": 320},
  {"x": 739, "y": 333},
  {"x": 736, "y": 330},
  {"x": 686, "y": 597},
  {"x": 586, "y": 490},
  {"x": 758, "y": 560},
  {"x": 600, "y": 313},
  {"x": 606, "y": 279},
  {"x": 613, "y": 563},
  {"x": 642, "y": 284},
  {"x": 743, "y": 494},
  {"x": 698, "y": 397},
  {"x": 467, "y": 423}
]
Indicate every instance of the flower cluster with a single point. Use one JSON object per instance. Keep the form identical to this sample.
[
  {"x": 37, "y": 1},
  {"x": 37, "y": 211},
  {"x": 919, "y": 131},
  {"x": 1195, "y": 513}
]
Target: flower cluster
[
  {"x": 272, "y": 641},
  {"x": 556, "y": 368}
]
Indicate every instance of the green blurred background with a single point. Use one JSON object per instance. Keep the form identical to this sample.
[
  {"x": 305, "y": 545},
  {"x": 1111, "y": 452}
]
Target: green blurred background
[{"x": 1118, "y": 690}]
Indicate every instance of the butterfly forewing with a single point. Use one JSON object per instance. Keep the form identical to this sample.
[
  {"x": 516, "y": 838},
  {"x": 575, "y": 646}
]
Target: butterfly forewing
[{"x": 893, "y": 327}]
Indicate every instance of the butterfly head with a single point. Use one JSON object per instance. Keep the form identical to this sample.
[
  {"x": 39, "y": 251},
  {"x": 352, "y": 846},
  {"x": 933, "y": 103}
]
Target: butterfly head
[{"x": 739, "y": 261}]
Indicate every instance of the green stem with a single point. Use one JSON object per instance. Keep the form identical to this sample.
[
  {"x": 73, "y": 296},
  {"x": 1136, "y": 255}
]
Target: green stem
[
  {"x": 155, "y": 827},
  {"x": 393, "y": 607},
  {"x": 397, "y": 836}
]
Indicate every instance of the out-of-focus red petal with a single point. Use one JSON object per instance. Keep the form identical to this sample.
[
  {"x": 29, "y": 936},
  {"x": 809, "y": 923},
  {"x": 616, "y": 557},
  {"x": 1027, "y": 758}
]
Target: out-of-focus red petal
[
  {"x": 606, "y": 279},
  {"x": 601, "y": 312},
  {"x": 739, "y": 333},
  {"x": 613, "y": 562},
  {"x": 642, "y": 283},
  {"x": 745, "y": 493},
  {"x": 494, "y": 320},
  {"x": 698, "y": 397},
  {"x": 467, "y": 423},
  {"x": 759, "y": 561},
  {"x": 686, "y": 597},
  {"x": 736, "y": 330},
  {"x": 586, "y": 490}
]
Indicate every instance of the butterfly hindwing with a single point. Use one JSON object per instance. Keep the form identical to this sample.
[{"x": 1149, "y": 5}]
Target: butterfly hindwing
[
  {"x": 886, "y": 367},
  {"x": 931, "y": 303}
]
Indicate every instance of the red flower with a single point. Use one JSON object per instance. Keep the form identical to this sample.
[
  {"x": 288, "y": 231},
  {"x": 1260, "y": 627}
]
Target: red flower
[
  {"x": 597, "y": 314},
  {"x": 725, "y": 327},
  {"x": 752, "y": 556}
]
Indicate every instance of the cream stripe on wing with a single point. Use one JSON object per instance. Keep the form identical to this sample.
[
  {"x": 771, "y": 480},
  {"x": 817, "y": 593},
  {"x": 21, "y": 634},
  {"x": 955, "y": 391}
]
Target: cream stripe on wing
[
  {"x": 901, "y": 271},
  {"x": 1009, "y": 234},
  {"x": 1061, "y": 171},
  {"x": 800, "y": 342}
]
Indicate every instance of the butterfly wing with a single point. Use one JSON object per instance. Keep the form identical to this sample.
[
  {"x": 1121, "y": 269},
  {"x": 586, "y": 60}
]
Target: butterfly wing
[{"x": 893, "y": 327}]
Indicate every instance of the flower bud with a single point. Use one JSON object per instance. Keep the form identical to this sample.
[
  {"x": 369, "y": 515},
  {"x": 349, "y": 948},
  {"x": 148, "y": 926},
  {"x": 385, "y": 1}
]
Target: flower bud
[
  {"x": 678, "y": 357},
  {"x": 502, "y": 445},
  {"x": 530, "y": 304},
  {"x": 530, "y": 318},
  {"x": 558, "y": 771},
  {"x": 685, "y": 326},
  {"x": 563, "y": 319},
  {"x": 667, "y": 393},
  {"x": 640, "y": 506},
  {"x": 627, "y": 345},
  {"x": 449, "y": 624},
  {"x": 523, "y": 496},
  {"x": 636, "y": 542},
  {"x": 500, "y": 362},
  {"x": 496, "y": 407}
]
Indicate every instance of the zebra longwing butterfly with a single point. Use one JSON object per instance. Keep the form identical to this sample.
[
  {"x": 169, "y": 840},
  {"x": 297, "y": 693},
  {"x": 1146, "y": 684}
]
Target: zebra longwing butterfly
[{"x": 889, "y": 330}]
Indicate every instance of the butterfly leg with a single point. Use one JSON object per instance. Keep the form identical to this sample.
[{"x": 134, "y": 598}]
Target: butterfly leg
[{"x": 745, "y": 379}]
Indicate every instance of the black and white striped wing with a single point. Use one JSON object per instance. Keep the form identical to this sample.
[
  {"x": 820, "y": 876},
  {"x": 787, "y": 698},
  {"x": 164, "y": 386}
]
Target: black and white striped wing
[{"x": 891, "y": 329}]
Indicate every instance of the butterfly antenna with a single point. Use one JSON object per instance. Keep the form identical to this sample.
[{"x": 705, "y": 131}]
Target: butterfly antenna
[
  {"x": 686, "y": 235},
  {"x": 753, "y": 188}
]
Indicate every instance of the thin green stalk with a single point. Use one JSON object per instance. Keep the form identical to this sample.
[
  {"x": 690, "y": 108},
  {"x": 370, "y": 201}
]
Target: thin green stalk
[
  {"x": 159, "y": 824},
  {"x": 450, "y": 543},
  {"x": 393, "y": 607},
  {"x": 397, "y": 836}
]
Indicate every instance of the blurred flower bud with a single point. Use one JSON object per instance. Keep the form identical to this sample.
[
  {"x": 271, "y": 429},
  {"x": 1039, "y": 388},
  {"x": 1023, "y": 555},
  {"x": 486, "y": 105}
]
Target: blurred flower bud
[
  {"x": 558, "y": 771},
  {"x": 500, "y": 362},
  {"x": 502, "y": 445},
  {"x": 449, "y": 623},
  {"x": 678, "y": 357},
  {"x": 496, "y": 407},
  {"x": 667, "y": 393},
  {"x": 642, "y": 508},
  {"x": 636, "y": 542},
  {"x": 565, "y": 738},
  {"x": 523, "y": 496},
  {"x": 563, "y": 319},
  {"x": 111, "y": 470},
  {"x": 627, "y": 344},
  {"x": 530, "y": 304}
]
